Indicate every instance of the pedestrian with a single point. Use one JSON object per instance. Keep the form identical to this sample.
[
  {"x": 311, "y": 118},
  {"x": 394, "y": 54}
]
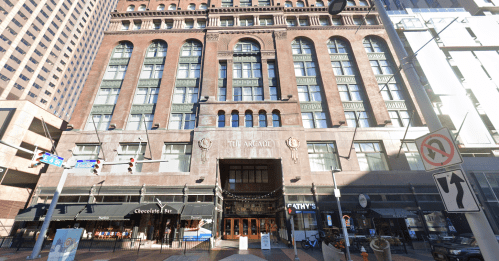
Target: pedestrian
[{"x": 273, "y": 230}]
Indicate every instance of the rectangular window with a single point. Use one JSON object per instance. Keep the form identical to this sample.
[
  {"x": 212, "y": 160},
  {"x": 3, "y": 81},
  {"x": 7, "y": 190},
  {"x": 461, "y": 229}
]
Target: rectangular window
[
  {"x": 185, "y": 95},
  {"x": 309, "y": 93},
  {"x": 146, "y": 96},
  {"x": 322, "y": 156},
  {"x": 248, "y": 94},
  {"x": 314, "y": 120},
  {"x": 136, "y": 121},
  {"x": 304, "y": 69},
  {"x": 291, "y": 22},
  {"x": 127, "y": 151},
  {"x": 361, "y": 117},
  {"x": 226, "y": 3},
  {"x": 349, "y": 92},
  {"x": 400, "y": 118},
  {"x": 246, "y": 22},
  {"x": 150, "y": 71},
  {"x": 189, "y": 24},
  {"x": 303, "y": 22},
  {"x": 248, "y": 174},
  {"x": 222, "y": 94},
  {"x": 371, "y": 156},
  {"x": 188, "y": 70},
  {"x": 266, "y": 21},
  {"x": 86, "y": 152},
  {"x": 227, "y": 22},
  {"x": 273, "y": 93},
  {"x": 178, "y": 156},
  {"x": 179, "y": 121},
  {"x": 271, "y": 69},
  {"x": 222, "y": 72},
  {"x": 102, "y": 122},
  {"x": 391, "y": 91},
  {"x": 247, "y": 70},
  {"x": 412, "y": 155},
  {"x": 245, "y": 3},
  {"x": 115, "y": 72},
  {"x": 107, "y": 96}
]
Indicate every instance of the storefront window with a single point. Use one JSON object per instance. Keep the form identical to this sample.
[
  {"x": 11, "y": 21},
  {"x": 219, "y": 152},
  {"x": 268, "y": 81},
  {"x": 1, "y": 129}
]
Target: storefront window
[
  {"x": 305, "y": 221},
  {"x": 164, "y": 198},
  {"x": 200, "y": 198}
]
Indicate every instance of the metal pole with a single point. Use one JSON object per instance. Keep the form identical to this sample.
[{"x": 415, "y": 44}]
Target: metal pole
[
  {"x": 343, "y": 225},
  {"x": 489, "y": 247},
  {"x": 97, "y": 134},
  {"x": 38, "y": 245},
  {"x": 293, "y": 232}
]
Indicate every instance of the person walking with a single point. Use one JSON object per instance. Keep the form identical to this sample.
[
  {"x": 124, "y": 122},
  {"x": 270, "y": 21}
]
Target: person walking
[{"x": 273, "y": 230}]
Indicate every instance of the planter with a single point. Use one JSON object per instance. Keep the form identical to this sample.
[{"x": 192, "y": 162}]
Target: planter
[
  {"x": 381, "y": 251},
  {"x": 329, "y": 252}
]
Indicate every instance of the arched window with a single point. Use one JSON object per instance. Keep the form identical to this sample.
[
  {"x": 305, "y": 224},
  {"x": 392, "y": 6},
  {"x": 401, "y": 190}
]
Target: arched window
[
  {"x": 203, "y": 7},
  {"x": 248, "y": 119},
  {"x": 123, "y": 50},
  {"x": 221, "y": 119},
  {"x": 288, "y": 4},
  {"x": 157, "y": 49},
  {"x": 191, "y": 7},
  {"x": 142, "y": 7},
  {"x": 234, "y": 119},
  {"x": 301, "y": 46},
  {"x": 350, "y": 3},
  {"x": 276, "y": 119},
  {"x": 300, "y": 4},
  {"x": 172, "y": 7},
  {"x": 336, "y": 46},
  {"x": 319, "y": 3},
  {"x": 192, "y": 48},
  {"x": 372, "y": 45},
  {"x": 262, "y": 119},
  {"x": 130, "y": 8},
  {"x": 161, "y": 7},
  {"x": 363, "y": 3},
  {"x": 246, "y": 46}
]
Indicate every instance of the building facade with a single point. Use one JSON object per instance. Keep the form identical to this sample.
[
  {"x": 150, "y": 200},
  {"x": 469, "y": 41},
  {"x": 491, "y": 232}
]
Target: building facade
[
  {"x": 475, "y": 7},
  {"x": 459, "y": 72},
  {"x": 22, "y": 125},
  {"x": 47, "y": 50},
  {"x": 250, "y": 106}
]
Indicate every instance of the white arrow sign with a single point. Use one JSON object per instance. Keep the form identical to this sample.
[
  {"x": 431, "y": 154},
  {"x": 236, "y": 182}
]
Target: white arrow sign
[{"x": 456, "y": 192}]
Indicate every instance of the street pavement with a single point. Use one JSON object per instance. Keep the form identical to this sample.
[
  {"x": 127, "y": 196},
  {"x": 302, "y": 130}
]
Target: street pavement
[{"x": 284, "y": 254}]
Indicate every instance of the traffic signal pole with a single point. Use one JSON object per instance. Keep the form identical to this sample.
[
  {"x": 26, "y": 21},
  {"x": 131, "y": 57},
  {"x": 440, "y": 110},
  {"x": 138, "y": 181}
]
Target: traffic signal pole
[
  {"x": 478, "y": 222},
  {"x": 343, "y": 225},
  {"x": 43, "y": 231}
]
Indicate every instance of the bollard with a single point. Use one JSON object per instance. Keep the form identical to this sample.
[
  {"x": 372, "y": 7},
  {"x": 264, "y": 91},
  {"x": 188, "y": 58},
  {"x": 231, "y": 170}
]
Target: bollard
[{"x": 363, "y": 253}]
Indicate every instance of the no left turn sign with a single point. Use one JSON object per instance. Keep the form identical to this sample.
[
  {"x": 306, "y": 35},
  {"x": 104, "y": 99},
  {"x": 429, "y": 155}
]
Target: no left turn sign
[{"x": 437, "y": 150}]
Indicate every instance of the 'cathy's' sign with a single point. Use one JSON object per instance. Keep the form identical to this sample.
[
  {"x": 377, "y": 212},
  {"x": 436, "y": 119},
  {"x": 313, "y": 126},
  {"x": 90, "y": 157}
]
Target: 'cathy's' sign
[{"x": 302, "y": 206}]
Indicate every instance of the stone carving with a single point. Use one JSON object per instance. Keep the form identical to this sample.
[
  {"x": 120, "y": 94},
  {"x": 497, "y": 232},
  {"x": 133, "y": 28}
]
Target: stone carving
[
  {"x": 154, "y": 60},
  {"x": 111, "y": 83},
  {"x": 205, "y": 145},
  {"x": 317, "y": 106},
  {"x": 306, "y": 80},
  {"x": 338, "y": 57},
  {"x": 302, "y": 57},
  {"x": 353, "y": 105},
  {"x": 396, "y": 105},
  {"x": 280, "y": 35},
  {"x": 119, "y": 61},
  {"x": 143, "y": 108},
  {"x": 186, "y": 83},
  {"x": 345, "y": 79},
  {"x": 293, "y": 145},
  {"x": 376, "y": 56},
  {"x": 212, "y": 37},
  {"x": 149, "y": 82},
  {"x": 190, "y": 107},
  {"x": 225, "y": 54},
  {"x": 246, "y": 59},
  {"x": 254, "y": 82},
  {"x": 102, "y": 109},
  {"x": 384, "y": 79},
  {"x": 189, "y": 60}
]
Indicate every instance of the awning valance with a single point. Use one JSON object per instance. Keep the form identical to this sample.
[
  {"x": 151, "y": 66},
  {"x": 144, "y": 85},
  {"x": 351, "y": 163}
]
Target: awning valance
[
  {"x": 391, "y": 213},
  {"x": 61, "y": 212},
  {"x": 196, "y": 211}
]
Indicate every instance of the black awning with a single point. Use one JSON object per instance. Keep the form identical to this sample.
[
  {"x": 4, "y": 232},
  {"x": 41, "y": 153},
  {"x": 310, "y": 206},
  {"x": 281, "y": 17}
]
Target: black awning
[
  {"x": 106, "y": 212},
  {"x": 391, "y": 213},
  {"x": 196, "y": 211},
  {"x": 61, "y": 212}
]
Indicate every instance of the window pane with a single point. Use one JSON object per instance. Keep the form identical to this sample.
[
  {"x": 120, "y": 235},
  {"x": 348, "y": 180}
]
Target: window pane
[
  {"x": 308, "y": 121},
  {"x": 175, "y": 122},
  {"x": 320, "y": 120}
]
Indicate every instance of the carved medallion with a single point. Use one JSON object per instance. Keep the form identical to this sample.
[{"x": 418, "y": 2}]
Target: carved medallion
[
  {"x": 205, "y": 145},
  {"x": 212, "y": 37},
  {"x": 280, "y": 35},
  {"x": 293, "y": 145}
]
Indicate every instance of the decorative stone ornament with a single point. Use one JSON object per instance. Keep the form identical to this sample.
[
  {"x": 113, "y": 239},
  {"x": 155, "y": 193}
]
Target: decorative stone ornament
[
  {"x": 205, "y": 145},
  {"x": 293, "y": 145}
]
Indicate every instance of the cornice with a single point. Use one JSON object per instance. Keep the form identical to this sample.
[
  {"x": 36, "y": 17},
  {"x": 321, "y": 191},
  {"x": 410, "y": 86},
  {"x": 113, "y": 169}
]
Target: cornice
[
  {"x": 334, "y": 27},
  {"x": 245, "y": 9},
  {"x": 155, "y": 31},
  {"x": 157, "y": 13}
]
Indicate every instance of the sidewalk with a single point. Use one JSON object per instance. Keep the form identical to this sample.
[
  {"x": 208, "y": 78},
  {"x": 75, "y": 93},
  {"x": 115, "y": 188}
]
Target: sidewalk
[{"x": 282, "y": 254}]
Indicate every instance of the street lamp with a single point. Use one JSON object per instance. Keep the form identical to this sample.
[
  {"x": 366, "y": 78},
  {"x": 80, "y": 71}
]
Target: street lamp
[
  {"x": 343, "y": 225},
  {"x": 336, "y": 6}
]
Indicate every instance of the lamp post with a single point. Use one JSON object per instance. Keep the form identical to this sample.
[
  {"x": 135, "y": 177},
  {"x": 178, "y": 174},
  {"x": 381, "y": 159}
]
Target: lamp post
[{"x": 343, "y": 225}]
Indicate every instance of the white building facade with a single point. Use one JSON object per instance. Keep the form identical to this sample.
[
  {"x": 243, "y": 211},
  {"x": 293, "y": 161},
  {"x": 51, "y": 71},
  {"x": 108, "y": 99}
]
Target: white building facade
[{"x": 459, "y": 69}]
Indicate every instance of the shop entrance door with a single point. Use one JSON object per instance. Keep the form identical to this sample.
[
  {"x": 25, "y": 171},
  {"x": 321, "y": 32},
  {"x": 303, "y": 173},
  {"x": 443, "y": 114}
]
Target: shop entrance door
[
  {"x": 232, "y": 228},
  {"x": 254, "y": 232},
  {"x": 248, "y": 227}
]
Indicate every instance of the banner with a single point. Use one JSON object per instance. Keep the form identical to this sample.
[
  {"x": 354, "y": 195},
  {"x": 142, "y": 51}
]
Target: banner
[{"x": 65, "y": 244}]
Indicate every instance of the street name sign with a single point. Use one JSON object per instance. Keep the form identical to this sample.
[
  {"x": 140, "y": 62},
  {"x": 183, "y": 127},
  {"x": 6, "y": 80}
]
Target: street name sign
[
  {"x": 85, "y": 164},
  {"x": 456, "y": 192},
  {"x": 437, "y": 150},
  {"x": 52, "y": 159}
]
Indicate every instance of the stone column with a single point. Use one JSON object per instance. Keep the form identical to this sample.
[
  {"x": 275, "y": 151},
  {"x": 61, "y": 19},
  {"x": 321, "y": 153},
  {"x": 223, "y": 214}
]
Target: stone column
[{"x": 265, "y": 80}]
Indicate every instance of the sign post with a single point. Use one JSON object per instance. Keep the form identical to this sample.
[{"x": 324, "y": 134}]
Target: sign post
[
  {"x": 292, "y": 213},
  {"x": 337, "y": 194}
]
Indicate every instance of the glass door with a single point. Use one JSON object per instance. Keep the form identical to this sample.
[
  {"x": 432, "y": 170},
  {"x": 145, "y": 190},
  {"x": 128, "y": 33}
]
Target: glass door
[
  {"x": 245, "y": 227},
  {"x": 236, "y": 228},
  {"x": 254, "y": 229}
]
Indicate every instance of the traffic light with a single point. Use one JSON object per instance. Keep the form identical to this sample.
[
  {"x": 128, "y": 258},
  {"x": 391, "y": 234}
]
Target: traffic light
[
  {"x": 37, "y": 157},
  {"x": 98, "y": 166},
  {"x": 291, "y": 211},
  {"x": 131, "y": 165}
]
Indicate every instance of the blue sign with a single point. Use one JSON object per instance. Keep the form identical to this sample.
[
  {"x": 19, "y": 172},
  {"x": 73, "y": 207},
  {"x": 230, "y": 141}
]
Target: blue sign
[
  {"x": 85, "y": 164},
  {"x": 52, "y": 159},
  {"x": 65, "y": 244}
]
